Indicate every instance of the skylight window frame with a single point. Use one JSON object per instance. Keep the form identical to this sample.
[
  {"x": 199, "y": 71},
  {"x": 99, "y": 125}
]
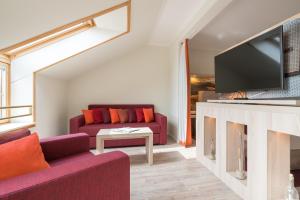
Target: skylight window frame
[{"x": 48, "y": 38}]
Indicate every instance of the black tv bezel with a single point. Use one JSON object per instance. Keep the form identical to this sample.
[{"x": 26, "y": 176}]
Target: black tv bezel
[{"x": 260, "y": 37}]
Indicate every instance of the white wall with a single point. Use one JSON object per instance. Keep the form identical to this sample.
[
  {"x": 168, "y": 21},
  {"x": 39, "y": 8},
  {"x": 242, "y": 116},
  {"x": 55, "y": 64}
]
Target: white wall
[
  {"x": 21, "y": 94},
  {"x": 173, "y": 87},
  {"x": 141, "y": 77},
  {"x": 51, "y": 106},
  {"x": 202, "y": 61}
]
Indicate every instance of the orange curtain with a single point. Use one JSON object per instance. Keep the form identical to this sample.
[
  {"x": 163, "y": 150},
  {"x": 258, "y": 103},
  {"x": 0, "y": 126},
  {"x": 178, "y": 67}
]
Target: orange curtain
[
  {"x": 185, "y": 133},
  {"x": 188, "y": 85}
]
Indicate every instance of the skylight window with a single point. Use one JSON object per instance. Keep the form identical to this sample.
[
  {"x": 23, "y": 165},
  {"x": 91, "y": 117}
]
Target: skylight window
[{"x": 48, "y": 38}]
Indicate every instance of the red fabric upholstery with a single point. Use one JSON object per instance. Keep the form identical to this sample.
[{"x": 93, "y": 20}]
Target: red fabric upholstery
[
  {"x": 73, "y": 158},
  {"x": 79, "y": 176},
  {"x": 75, "y": 123},
  {"x": 13, "y": 135},
  {"x": 159, "y": 127},
  {"x": 162, "y": 120},
  {"x": 62, "y": 146}
]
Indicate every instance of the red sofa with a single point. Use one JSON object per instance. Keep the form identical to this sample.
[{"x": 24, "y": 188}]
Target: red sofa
[
  {"x": 159, "y": 127},
  {"x": 74, "y": 173}
]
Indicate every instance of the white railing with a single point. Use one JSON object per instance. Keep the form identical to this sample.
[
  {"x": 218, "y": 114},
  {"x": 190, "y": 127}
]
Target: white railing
[{"x": 8, "y": 112}]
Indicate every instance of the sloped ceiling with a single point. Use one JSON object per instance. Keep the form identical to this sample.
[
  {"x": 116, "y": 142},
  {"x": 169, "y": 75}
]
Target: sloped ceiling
[
  {"x": 21, "y": 20},
  {"x": 241, "y": 20}
]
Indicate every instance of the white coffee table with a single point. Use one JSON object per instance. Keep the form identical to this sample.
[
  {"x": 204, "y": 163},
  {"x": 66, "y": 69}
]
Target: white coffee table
[{"x": 113, "y": 134}]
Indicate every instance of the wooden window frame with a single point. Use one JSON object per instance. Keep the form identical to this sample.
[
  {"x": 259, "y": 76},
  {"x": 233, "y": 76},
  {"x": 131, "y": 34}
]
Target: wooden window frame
[
  {"x": 46, "y": 39},
  {"x": 4, "y": 60}
]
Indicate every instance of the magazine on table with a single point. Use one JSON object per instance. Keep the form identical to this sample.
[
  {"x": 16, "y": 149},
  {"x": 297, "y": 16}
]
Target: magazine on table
[{"x": 125, "y": 130}]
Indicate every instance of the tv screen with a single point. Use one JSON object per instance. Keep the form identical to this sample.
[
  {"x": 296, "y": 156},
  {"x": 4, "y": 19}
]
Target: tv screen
[{"x": 254, "y": 65}]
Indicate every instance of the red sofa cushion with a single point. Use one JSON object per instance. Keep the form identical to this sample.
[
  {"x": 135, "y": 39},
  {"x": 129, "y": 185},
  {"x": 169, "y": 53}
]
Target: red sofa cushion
[
  {"x": 21, "y": 156},
  {"x": 131, "y": 116},
  {"x": 123, "y": 115},
  {"x": 114, "y": 116},
  {"x": 148, "y": 114},
  {"x": 97, "y": 115},
  {"x": 105, "y": 115},
  {"x": 93, "y": 129},
  {"x": 88, "y": 116},
  {"x": 139, "y": 115}
]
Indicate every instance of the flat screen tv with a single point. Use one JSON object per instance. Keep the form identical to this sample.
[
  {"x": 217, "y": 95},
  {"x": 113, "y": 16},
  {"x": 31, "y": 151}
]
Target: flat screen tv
[{"x": 254, "y": 65}]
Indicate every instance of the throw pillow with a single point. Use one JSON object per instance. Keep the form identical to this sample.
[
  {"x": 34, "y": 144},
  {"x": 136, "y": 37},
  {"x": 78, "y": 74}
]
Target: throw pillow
[
  {"x": 97, "y": 115},
  {"x": 88, "y": 116},
  {"x": 139, "y": 115},
  {"x": 21, "y": 156},
  {"x": 114, "y": 116},
  {"x": 123, "y": 115},
  {"x": 148, "y": 113},
  {"x": 131, "y": 116},
  {"x": 105, "y": 115}
]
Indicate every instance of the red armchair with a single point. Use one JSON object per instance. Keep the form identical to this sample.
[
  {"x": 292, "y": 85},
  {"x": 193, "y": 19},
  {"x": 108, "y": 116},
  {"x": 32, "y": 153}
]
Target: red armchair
[{"x": 75, "y": 174}]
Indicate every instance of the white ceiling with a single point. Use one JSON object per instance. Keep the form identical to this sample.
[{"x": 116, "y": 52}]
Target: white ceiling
[
  {"x": 174, "y": 15},
  {"x": 241, "y": 20}
]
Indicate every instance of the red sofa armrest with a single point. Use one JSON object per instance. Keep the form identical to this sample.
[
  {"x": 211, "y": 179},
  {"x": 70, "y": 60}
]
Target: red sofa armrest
[
  {"x": 76, "y": 123},
  {"x": 162, "y": 120},
  {"x": 65, "y": 145},
  {"x": 105, "y": 177}
]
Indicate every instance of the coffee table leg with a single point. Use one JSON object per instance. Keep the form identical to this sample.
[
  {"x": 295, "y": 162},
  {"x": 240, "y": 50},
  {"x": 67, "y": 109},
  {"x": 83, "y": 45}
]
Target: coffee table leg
[
  {"x": 100, "y": 145},
  {"x": 149, "y": 149}
]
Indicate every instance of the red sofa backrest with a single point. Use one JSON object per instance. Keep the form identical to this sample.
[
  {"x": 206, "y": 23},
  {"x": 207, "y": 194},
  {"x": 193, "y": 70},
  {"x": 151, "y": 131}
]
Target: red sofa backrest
[
  {"x": 13, "y": 135},
  {"x": 121, "y": 106}
]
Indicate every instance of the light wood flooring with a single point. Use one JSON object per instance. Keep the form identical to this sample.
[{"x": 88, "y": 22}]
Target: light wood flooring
[{"x": 175, "y": 175}]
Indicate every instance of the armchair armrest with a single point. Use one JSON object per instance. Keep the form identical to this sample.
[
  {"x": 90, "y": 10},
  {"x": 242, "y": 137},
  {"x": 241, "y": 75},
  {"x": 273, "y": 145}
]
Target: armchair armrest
[
  {"x": 105, "y": 177},
  {"x": 64, "y": 145},
  {"x": 162, "y": 120},
  {"x": 76, "y": 123}
]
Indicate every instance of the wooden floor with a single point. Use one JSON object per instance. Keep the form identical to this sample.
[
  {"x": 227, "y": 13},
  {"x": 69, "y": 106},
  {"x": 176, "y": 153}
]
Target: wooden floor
[{"x": 175, "y": 175}]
